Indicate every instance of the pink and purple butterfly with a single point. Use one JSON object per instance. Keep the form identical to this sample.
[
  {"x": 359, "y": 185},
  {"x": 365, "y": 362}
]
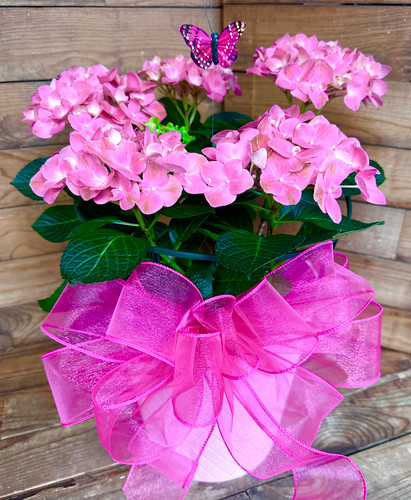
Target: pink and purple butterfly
[{"x": 206, "y": 49}]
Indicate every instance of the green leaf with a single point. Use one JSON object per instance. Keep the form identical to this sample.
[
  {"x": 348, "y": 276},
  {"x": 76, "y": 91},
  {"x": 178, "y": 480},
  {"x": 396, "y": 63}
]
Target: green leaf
[
  {"x": 22, "y": 180},
  {"x": 48, "y": 303},
  {"x": 210, "y": 234},
  {"x": 56, "y": 223},
  {"x": 227, "y": 120},
  {"x": 238, "y": 217},
  {"x": 380, "y": 178},
  {"x": 307, "y": 212},
  {"x": 102, "y": 256},
  {"x": 201, "y": 274},
  {"x": 91, "y": 210},
  {"x": 161, "y": 235},
  {"x": 313, "y": 233},
  {"x": 183, "y": 210},
  {"x": 90, "y": 226},
  {"x": 181, "y": 229},
  {"x": 246, "y": 252},
  {"x": 227, "y": 281}
]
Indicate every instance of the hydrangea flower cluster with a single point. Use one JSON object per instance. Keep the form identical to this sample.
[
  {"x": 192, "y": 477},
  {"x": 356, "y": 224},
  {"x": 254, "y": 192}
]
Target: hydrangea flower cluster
[
  {"x": 282, "y": 152},
  {"x": 82, "y": 95},
  {"x": 290, "y": 151},
  {"x": 316, "y": 71},
  {"x": 131, "y": 167},
  {"x": 142, "y": 169},
  {"x": 180, "y": 77}
]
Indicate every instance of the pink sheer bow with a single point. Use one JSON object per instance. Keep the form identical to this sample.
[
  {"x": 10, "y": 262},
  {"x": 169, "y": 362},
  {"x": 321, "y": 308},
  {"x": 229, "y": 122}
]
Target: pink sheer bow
[{"x": 161, "y": 370}]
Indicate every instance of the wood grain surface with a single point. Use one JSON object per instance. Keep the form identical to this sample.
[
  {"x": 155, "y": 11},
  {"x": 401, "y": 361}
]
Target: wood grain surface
[
  {"x": 22, "y": 368},
  {"x": 18, "y": 239},
  {"x": 396, "y": 328},
  {"x": 104, "y": 3},
  {"x": 397, "y": 167},
  {"x": 85, "y": 36},
  {"x": 23, "y": 280},
  {"x": 240, "y": 3},
  {"x": 378, "y": 241},
  {"x": 404, "y": 245},
  {"x": 20, "y": 325},
  {"x": 391, "y": 279}
]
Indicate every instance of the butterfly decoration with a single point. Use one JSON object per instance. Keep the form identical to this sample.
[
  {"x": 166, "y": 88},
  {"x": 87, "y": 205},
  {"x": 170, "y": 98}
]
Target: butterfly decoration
[{"x": 207, "y": 49}]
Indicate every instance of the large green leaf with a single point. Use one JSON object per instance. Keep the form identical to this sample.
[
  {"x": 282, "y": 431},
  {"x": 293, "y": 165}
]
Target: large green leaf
[
  {"x": 89, "y": 227},
  {"x": 22, "y": 180},
  {"x": 310, "y": 212},
  {"x": 246, "y": 252},
  {"x": 237, "y": 216},
  {"x": 184, "y": 210},
  {"x": 182, "y": 229},
  {"x": 228, "y": 281},
  {"x": 48, "y": 303},
  {"x": 103, "y": 255},
  {"x": 313, "y": 233},
  {"x": 201, "y": 274},
  {"x": 56, "y": 223}
]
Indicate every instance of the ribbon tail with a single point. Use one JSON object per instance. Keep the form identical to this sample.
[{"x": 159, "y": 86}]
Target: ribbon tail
[
  {"x": 170, "y": 476},
  {"x": 265, "y": 443},
  {"x": 146, "y": 483},
  {"x": 330, "y": 476}
]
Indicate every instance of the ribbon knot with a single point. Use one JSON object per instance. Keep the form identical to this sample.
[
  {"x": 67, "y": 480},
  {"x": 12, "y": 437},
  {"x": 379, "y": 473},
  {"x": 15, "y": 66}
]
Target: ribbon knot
[{"x": 164, "y": 372}]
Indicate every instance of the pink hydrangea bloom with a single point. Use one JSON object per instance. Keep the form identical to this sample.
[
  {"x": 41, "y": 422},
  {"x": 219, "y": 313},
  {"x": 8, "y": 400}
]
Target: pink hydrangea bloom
[
  {"x": 181, "y": 77},
  {"x": 225, "y": 181},
  {"x": 158, "y": 190},
  {"x": 290, "y": 151},
  {"x": 126, "y": 166},
  {"x": 96, "y": 91},
  {"x": 316, "y": 71}
]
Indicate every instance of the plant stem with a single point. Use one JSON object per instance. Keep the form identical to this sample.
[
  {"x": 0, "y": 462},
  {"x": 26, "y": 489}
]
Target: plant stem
[
  {"x": 140, "y": 219},
  {"x": 172, "y": 264}
]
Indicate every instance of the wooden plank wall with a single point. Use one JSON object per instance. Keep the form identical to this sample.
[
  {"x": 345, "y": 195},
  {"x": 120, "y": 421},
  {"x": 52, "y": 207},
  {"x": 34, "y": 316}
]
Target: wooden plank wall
[
  {"x": 39, "y": 39},
  {"x": 382, "y": 254}
]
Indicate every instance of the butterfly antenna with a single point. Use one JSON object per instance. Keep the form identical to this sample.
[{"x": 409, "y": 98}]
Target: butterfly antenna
[
  {"x": 212, "y": 16},
  {"x": 208, "y": 20}
]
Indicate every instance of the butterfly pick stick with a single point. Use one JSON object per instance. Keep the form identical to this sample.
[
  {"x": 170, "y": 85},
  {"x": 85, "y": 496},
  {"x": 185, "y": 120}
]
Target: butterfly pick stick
[{"x": 214, "y": 48}]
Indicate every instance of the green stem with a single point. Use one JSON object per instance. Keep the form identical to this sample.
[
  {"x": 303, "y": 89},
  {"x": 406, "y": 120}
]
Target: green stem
[
  {"x": 191, "y": 113},
  {"x": 150, "y": 227},
  {"x": 289, "y": 97},
  {"x": 321, "y": 109},
  {"x": 140, "y": 220},
  {"x": 172, "y": 264}
]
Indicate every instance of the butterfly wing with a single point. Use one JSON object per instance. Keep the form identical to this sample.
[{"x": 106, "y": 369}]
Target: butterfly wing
[
  {"x": 200, "y": 44},
  {"x": 227, "y": 41}
]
